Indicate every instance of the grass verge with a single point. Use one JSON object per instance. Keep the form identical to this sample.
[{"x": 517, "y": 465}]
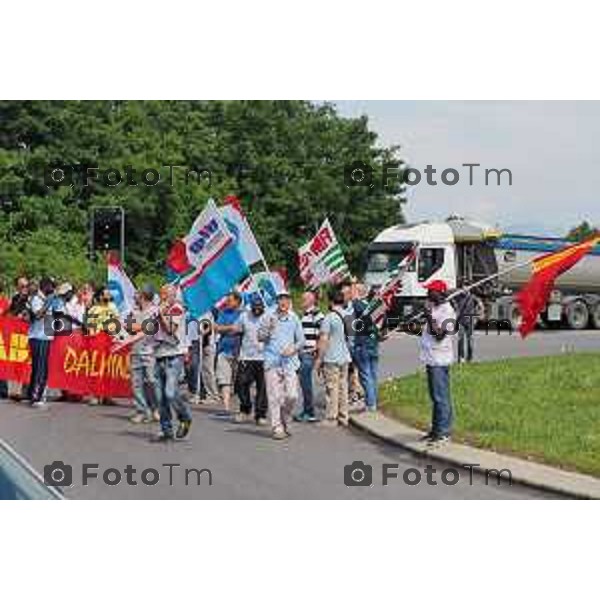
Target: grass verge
[{"x": 546, "y": 409}]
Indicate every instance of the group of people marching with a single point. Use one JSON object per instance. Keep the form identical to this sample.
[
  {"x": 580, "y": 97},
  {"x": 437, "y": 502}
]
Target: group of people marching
[{"x": 261, "y": 363}]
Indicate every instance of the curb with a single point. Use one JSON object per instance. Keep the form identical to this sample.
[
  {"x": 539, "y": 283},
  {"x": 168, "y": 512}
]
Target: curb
[{"x": 543, "y": 477}]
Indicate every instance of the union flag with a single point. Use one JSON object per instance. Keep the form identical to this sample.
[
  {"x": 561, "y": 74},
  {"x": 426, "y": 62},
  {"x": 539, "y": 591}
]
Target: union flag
[{"x": 533, "y": 297}]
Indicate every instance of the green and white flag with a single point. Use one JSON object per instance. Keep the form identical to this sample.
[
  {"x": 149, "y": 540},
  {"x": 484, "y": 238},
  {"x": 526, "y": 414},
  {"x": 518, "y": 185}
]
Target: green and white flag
[{"x": 321, "y": 260}]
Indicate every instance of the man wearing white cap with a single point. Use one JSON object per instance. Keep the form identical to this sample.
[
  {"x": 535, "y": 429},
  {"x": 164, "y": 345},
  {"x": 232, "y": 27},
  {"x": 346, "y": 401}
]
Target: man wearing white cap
[{"x": 281, "y": 331}]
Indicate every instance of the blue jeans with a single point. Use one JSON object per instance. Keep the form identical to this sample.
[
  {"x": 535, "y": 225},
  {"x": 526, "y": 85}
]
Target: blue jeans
[
  {"x": 3, "y": 389},
  {"x": 40, "y": 351},
  {"x": 307, "y": 363},
  {"x": 168, "y": 373},
  {"x": 465, "y": 341},
  {"x": 438, "y": 380},
  {"x": 143, "y": 376},
  {"x": 193, "y": 372},
  {"x": 367, "y": 366}
]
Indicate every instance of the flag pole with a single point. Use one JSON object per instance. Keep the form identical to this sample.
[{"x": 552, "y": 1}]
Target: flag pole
[
  {"x": 468, "y": 288},
  {"x": 492, "y": 277}
]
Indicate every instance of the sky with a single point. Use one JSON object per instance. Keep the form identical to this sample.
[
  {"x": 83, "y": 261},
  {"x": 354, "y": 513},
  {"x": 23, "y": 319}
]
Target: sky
[{"x": 551, "y": 147}]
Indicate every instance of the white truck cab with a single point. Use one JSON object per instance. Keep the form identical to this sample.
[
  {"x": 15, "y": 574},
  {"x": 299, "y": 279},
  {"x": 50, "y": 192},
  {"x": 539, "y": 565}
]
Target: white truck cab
[
  {"x": 456, "y": 251},
  {"x": 461, "y": 252}
]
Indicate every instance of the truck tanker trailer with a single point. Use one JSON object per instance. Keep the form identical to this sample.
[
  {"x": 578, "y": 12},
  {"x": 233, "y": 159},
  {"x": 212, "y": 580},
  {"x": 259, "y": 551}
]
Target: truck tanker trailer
[{"x": 462, "y": 252}]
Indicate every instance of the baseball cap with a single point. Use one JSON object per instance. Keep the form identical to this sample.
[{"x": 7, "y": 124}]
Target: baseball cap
[
  {"x": 283, "y": 294},
  {"x": 256, "y": 300},
  {"x": 437, "y": 285},
  {"x": 149, "y": 290}
]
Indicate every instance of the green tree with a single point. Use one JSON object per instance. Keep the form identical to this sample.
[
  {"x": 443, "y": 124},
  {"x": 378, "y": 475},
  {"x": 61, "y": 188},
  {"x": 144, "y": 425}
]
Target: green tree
[
  {"x": 583, "y": 231},
  {"x": 284, "y": 159}
]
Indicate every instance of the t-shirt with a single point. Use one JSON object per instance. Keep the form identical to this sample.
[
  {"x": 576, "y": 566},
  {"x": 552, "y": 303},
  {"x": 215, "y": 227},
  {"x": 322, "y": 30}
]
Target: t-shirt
[
  {"x": 251, "y": 348},
  {"x": 311, "y": 323},
  {"x": 337, "y": 348},
  {"x": 368, "y": 337},
  {"x": 192, "y": 329},
  {"x": 100, "y": 317},
  {"x": 434, "y": 352},
  {"x": 349, "y": 313},
  {"x": 465, "y": 307},
  {"x": 281, "y": 331},
  {"x": 172, "y": 345},
  {"x": 148, "y": 320},
  {"x": 75, "y": 310},
  {"x": 40, "y": 328},
  {"x": 229, "y": 343},
  {"x": 19, "y": 305}
]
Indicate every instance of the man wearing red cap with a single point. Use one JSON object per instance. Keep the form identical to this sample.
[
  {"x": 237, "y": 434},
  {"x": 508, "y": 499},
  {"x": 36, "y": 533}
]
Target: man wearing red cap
[{"x": 437, "y": 353}]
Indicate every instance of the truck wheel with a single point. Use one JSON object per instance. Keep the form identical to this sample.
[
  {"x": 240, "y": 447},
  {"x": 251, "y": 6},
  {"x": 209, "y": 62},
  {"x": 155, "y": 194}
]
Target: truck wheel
[
  {"x": 577, "y": 315},
  {"x": 595, "y": 316},
  {"x": 515, "y": 317}
]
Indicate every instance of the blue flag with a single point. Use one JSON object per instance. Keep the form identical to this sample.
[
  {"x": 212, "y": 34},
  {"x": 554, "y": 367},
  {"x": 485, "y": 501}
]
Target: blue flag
[{"x": 207, "y": 263}]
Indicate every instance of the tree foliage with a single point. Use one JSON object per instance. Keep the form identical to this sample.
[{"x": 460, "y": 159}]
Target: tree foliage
[
  {"x": 284, "y": 159},
  {"x": 583, "y": 231}
]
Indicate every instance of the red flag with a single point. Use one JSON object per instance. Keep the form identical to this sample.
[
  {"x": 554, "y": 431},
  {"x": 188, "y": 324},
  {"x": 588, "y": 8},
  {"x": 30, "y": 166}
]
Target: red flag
[{"x": 533, "y": 297}]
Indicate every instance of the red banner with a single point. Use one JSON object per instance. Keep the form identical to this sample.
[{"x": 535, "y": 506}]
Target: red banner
[
  {"x": 78, "y": 363},
  {"x": 15, "y": 362}
]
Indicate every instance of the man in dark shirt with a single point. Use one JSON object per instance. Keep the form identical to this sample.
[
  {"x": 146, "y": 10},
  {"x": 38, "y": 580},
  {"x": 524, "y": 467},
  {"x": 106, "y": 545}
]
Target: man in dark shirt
[{"x": 19, "y": 305}]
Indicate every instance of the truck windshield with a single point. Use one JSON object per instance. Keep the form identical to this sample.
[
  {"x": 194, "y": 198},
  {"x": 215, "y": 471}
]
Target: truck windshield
[{"x": 385, "y": 261}]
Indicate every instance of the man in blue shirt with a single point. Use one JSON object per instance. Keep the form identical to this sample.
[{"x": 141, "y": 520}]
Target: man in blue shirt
[
  {"x": 281, "y": 331},
  {"x": 228, "y": 346},
  {"x": 333, "y": 358}
]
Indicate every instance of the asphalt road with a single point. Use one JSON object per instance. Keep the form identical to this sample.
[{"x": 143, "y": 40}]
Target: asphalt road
[{"x": 243, "y": 461}]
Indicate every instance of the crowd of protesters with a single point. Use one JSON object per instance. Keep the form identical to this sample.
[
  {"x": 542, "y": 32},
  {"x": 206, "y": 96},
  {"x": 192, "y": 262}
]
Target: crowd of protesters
[{"x": 266, "y": 365}]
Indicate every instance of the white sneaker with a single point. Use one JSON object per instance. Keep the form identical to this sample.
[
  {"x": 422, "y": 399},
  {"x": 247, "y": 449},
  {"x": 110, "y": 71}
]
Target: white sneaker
[{"x": 438, "y": 441}]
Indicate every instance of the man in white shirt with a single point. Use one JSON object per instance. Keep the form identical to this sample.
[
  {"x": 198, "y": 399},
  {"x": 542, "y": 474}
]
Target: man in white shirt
[{"x": 437, "y": 353}]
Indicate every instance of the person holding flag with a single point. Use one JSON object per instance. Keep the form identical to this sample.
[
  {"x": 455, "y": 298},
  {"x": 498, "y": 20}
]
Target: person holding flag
[
  {"x": 365, "y": 352},
  {"x": 437, "y": 353},
  {"x": 228, "y": 347},
  {"x": 142, "y": 358},
  {"x": 171, "y": 348}
]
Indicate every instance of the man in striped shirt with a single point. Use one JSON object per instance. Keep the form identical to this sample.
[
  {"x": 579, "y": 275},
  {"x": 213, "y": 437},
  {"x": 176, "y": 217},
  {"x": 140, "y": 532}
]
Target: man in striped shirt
[{"x": 311, "y": 322}]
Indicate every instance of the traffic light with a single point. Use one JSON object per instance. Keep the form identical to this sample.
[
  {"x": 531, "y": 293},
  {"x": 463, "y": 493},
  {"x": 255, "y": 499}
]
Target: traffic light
[{"x": 108, "y": 229}]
